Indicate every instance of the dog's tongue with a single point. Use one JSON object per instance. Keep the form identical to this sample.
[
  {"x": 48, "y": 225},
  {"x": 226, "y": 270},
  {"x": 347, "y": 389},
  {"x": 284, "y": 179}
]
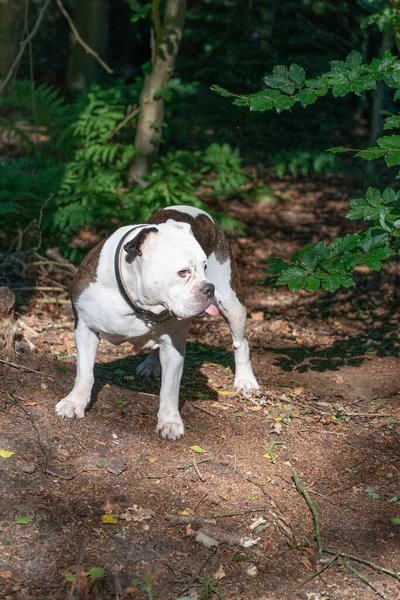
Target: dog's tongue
[{"x": 212, "y": 310}]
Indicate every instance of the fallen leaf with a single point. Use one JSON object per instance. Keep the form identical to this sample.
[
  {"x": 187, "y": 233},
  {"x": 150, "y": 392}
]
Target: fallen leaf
[
  {"x": 23, "y": 520},
  {"x": 109, "y": 520},
  {"x": 298, "y": 391},
  {"x": 6, "y": 453},
  {"x": 220, "y": 574},
  {"x": 257, "y": 522},
  {"x": 198, "y": 449},
  {"x": 276, "y": 428},
  {"x": 5, "y": 574},
  {"x": 299, "y": 340},
  {"x": 255, "y": 408},
  {"x": 137, "y": 513},
  {"x": 151, "y": 459},
  {"x": 96, "y": 573},
  {"x": 102, "y": 443},
  {"x": 224, "y": 392},
  {"x": 252, "y": 570}
]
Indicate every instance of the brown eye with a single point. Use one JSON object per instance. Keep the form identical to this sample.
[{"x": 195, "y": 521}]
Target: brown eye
[{"x": 184, "y": 273}]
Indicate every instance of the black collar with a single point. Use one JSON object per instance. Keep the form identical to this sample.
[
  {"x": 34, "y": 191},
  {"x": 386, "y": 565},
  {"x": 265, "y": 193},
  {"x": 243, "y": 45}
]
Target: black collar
[{"x": 146, "y": 315}]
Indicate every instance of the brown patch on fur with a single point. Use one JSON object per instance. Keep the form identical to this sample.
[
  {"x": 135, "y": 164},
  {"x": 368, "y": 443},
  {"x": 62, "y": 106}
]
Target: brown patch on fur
[
  {"x": 86, "y": 274},
  {"x": 210, "y": 237}
]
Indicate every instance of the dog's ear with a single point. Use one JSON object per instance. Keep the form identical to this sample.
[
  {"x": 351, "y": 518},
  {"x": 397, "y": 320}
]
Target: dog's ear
[{"x": 134, "y": 247}]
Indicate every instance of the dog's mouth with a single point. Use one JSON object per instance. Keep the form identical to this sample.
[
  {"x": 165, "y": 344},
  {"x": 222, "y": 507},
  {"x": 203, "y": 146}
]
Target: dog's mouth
[{"x": 212, "y": 310}]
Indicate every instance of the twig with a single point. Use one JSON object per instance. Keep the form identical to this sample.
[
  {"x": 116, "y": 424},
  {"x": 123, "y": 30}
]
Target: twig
[
  {"x": 317, "y": 431},
  {"x": 190, "y": 465},
  {"x": 242, "y": 512},
  {"x": 196, "y": 468},
  {"x": 302, "y": 490},
  {"x": 42, "y": 448},
  {"x": 363, "y": 578},
  {"x": 24, "y": 44},
  {"x": 192, "y": 519},
  {"x": 363, "y": 561},
  {"x": 15, "y": 366},
  {"x": 208, "y": 412},
  {"x": 124, "y": 121},
  {"x": 80, "y": 41},
  {"x": 317, "y": 574}
]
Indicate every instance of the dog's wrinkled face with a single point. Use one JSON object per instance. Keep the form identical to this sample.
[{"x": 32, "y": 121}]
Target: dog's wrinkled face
[{"x": 170, "y": 272}]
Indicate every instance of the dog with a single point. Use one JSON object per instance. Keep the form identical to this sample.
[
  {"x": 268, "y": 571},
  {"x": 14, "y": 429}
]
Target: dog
[{"x": 143, "y": 285}]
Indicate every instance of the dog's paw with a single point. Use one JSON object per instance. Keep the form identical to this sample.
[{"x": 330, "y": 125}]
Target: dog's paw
[
  {"x": 149, "y": 368},
  {"x": 246, "y": 384},
  {"x": 170, "y": 430},
  {"x": 69, "y": 408}
]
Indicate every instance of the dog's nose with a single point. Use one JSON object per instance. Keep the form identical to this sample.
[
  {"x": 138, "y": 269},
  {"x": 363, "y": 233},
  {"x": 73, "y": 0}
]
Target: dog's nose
[{"x": 208, "y": 290}]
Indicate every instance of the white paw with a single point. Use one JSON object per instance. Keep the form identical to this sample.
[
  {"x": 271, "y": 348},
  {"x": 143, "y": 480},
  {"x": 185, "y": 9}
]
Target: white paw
[
  {"x": 170, "y": 430},
  {"x": 68, "y": 408},
  {"x": 149, "y": 369},
  {"x": 245, "y": 384}
]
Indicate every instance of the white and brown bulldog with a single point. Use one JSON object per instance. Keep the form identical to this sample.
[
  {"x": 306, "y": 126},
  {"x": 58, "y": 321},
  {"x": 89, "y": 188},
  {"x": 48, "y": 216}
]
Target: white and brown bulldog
[{"x": 143, "y": 285}]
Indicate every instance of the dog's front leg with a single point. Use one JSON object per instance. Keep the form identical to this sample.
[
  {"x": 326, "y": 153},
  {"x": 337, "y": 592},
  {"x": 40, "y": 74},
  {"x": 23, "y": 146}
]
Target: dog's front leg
[
  {"x": 87, "y": 343},
  {"x": 172, "y": 356}
]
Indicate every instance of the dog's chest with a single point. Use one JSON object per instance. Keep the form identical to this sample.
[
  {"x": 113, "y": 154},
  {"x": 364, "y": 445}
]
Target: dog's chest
[{"x": 106, "y": 312}]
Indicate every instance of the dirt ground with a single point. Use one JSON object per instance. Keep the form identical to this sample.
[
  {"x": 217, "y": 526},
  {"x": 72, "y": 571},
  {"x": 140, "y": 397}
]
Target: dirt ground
[{"x": 101, "y": 508}]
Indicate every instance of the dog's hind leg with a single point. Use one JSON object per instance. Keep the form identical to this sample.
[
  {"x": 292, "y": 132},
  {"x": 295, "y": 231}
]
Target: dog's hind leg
[
  {"x": 151, "y": 366},
  {"x": 87, "y": 343}
]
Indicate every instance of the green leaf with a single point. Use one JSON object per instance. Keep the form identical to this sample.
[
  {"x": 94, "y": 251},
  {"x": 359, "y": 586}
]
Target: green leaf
[
  {"x": 331, "y": 283},
  {"x": 370, "y": 153},
  {"x": 96, "y": 572},
  {"x": 275, "y": 265},
  {"x": 306, "y": 97},
  {"x": 297, "y": 74},
  {"x": 198, "y": 449},
  {"x": 337, "y": 149},
  {"x": 341, "y": 89},
  {"x": 392, "y": 122},
  {"x": 284, "y": 103},
  {"x": 371, "y": 493},
  {"x": 312, "y": 284},
  {"x": 395, "y": 520},
  {"x": 389, "y": 196},
  {"x": 390, "y": 142},
  {"x": 240, "y": 558},
  {"x": 373, "y": 197},
  {"x": 392, "y": 158},
  {"x": 221, "y": 91},
  {"x": 24, "y": 520},
  {"x": 69, "y": 577},
  {"x": 354, "y": 60}
]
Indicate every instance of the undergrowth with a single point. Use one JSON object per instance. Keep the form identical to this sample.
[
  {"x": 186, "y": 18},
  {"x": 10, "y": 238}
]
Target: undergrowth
[{"x": 73, "y": 160}]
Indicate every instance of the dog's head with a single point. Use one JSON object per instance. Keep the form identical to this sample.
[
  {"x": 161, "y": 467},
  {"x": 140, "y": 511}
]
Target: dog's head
[{"x": 168, "y": 269}]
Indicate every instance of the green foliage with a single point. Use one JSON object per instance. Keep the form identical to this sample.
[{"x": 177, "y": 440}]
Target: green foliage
[
  {"x": 302, "y": 162},
  {"x": 78, "y": 165},
  {"x": 331, "y": 266},
  {"x": 286, "y": 86}
]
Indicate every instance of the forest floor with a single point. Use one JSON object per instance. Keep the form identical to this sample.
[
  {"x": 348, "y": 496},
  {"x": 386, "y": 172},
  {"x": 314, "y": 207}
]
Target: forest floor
[{"x": 101, "y": 508}]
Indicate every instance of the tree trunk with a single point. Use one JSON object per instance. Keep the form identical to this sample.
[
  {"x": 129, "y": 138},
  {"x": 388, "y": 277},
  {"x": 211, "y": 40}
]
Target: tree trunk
[
  {"x": 90, "y": 17},
  {"x": 165, "y": 49},
  {"x": 395, "y": 6},
  {"x": 11, "y": 29}
]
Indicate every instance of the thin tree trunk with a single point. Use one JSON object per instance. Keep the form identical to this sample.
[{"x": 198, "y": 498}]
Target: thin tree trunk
[
  {"x": 395, "y": 6},
  {"x": 91, "y": 20},
  {"x": 11, "y": 28},
  {"x": 165, "y": 48}
]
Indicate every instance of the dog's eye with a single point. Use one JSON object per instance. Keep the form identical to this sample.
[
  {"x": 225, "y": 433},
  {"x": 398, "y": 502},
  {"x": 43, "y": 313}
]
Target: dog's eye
[{"x": 184, "y": 273}]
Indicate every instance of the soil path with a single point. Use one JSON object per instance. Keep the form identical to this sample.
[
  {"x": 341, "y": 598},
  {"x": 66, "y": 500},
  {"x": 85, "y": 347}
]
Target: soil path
[{"x": 101, "y": 508}]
